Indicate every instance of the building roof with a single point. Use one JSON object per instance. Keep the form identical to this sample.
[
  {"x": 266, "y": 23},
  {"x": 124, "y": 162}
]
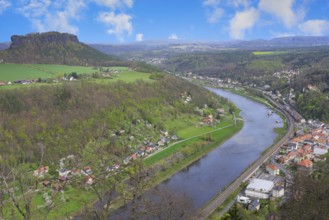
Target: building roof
[
  {"x": 278, "y": 188},
  {"x": 305, "y": 163},
  {"x": 272, "y": 166},
  {"x": 260, "y": 185}
]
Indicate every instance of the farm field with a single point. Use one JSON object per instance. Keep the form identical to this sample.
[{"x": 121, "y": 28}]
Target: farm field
[
  {"x": 10, "y": 72},
  {"x": 267, "y": 53}
]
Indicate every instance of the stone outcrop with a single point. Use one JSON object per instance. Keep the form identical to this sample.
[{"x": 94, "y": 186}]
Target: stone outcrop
[{"x": 42, "y": 38}]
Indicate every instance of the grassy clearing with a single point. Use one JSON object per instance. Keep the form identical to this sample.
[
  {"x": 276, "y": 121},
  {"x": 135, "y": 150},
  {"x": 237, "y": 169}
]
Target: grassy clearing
[
  {"x": 217, "y": 135},
  {"x": 12, "y": 72}
]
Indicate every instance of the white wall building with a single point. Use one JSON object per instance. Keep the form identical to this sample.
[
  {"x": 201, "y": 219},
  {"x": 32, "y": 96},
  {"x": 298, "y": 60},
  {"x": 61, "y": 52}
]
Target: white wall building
[
  {"x": 259, "y": 188},
  {"x": 272, "y": 169},
  {"x": 278, "y": 191}
]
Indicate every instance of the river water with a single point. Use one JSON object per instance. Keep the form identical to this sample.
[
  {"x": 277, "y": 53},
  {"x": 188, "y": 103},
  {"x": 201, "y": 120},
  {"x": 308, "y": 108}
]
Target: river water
[{"x": 202, "y": 180}]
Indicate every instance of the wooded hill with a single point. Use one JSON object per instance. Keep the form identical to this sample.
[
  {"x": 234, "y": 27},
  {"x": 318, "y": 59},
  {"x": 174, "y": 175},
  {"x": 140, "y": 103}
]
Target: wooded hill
[
  {"x": 55, "y": 121},
  {"x": 54, "y": 48}
]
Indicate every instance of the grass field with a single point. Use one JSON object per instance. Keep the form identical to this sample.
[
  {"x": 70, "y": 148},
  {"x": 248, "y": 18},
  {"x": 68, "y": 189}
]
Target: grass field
[
  {"x": 10, "y": 72},
  {"x": 267, "y": 53}
]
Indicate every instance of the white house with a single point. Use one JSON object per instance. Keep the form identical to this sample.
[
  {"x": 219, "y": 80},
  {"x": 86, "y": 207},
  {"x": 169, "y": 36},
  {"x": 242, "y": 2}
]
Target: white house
[
  {"x": 272, "y": 169},
  {"x": 278, "y": 191},
  {"x": 243, "y": 199},
  {"x": 259, "y": 188},
  {"x": 320, "y": 151}
]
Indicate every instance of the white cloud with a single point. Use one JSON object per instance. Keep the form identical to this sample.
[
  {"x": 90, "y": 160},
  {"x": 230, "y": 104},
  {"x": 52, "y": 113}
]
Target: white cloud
[
  {"x": 237, "y": 3},
  {"x": 115, "y": 3},
  {"x": 46, "y": 15},
  {"x": 314, "y": 27},
  {"x": 34, "y": 8},
  {"x": 119, "y": 24},
  {"x": 139, "y": 37},
  {"x": 215, "y": 15},
  {"x": 243, "y": 21},
  {"x": 4, "y": 4},
  {"x": 173, "y": 36},
  {"x": 211, "y": 2},
  {"x": 283, "y": 10}
]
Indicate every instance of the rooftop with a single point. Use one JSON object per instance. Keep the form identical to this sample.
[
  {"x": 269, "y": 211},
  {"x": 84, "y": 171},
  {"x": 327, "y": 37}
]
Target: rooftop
[{"x": 260, "y": 185}]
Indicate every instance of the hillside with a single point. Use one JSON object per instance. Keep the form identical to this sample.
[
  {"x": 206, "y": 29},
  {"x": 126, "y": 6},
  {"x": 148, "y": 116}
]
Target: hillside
[{"x": 53, "y": 48}]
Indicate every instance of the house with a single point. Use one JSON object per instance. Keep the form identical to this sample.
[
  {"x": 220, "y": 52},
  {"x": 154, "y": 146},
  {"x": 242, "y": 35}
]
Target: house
[
  {"x": 174, "y": 137},
  {"x": 134, "y": 156},
  {"x": 62, "y": 178},
  {"x": 113, "y": 167},
  {"x": 64, "y": 172},
  {"x": 147, "y": 149},
  {"x": 57, "y": 187},
  {"x": 164, "y": 133},
  {"x": 126, "y": 160},
  {"x": 46, "y": 183},
  {"x": 283, "y": 159},
  {"x": 208, "y": 120},
  {"x": 272, "y": 169},
  {"x": 305, "y": 166},
  {"x": 243, "y": 199},
  {"x": 41, "y": 171},
  {"x": 291, "y": 155},
  {"x": 320, "y": 150},
  {"x": 278, "y": 191},
  {"x": 86, "y": 170},
  {"x": 258, "y": 188},
  {"x": 89, "y": 180},
  {"x": 254, "y": 205},
  {"x": 306, "y": 163},
  {"x": 75, "y": 171}
]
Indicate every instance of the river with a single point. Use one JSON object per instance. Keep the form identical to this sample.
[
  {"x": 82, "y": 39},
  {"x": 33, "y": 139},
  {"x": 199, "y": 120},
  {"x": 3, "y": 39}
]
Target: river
[{"x": 204, "y": 179}]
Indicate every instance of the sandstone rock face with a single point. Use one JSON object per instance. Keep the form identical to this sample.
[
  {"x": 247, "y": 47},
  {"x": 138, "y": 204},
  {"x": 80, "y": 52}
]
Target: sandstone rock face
[{"x": 42, "y": 38}]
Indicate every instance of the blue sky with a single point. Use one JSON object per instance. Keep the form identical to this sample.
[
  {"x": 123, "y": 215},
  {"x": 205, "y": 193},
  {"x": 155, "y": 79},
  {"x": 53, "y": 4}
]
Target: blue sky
[{"x": 126, "y": 21}]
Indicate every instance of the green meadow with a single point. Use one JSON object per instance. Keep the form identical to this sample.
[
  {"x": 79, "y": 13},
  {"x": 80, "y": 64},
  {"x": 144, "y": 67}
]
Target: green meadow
[
  {"x": 13, "y": 72},
  {"x": 268, "y": 53}
]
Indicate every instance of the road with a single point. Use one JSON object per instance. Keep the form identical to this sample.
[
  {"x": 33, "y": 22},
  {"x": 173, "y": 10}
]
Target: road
[{"x": 216, "y": 202}]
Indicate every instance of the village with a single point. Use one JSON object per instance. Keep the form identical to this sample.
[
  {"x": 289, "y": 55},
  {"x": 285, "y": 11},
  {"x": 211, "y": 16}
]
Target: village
[{"x": 274, "y": 180}]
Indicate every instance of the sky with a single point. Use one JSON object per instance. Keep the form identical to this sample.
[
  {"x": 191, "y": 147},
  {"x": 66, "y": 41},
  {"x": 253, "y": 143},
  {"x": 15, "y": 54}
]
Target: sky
[{"x": 127, "y": 21}]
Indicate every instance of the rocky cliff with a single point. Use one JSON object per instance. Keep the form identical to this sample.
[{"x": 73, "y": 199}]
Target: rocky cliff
[
  {"x": 42, "y": 38},
  {"x": 53, "y": 48}
]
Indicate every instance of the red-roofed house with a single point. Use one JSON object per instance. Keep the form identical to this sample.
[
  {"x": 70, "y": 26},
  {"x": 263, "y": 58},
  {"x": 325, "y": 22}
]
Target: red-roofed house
[
  {"x": 291, "y": 155},
  {"x": 41, "y": 171},
  {"x": 305, "y": 165},
  {"x": 272, "y": 169}
]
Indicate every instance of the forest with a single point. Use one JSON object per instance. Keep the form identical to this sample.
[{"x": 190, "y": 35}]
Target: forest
[
  {"x": 64, "y": 118},
  {"x": 80, "y": 124}
]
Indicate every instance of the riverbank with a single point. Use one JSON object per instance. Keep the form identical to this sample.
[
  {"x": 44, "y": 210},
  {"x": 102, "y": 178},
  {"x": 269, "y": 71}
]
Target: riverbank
[
  {"x": 218, "y": 203},
  {"x": 170, "y": 164}
]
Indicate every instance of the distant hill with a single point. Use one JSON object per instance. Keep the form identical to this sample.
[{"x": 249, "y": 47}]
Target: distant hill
[
  {"x": 53, "y": 48},
  {"x": 149, "y": 49},
  {"x": 285, "y": 42},
  {"x": 4, "y": 46}
]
